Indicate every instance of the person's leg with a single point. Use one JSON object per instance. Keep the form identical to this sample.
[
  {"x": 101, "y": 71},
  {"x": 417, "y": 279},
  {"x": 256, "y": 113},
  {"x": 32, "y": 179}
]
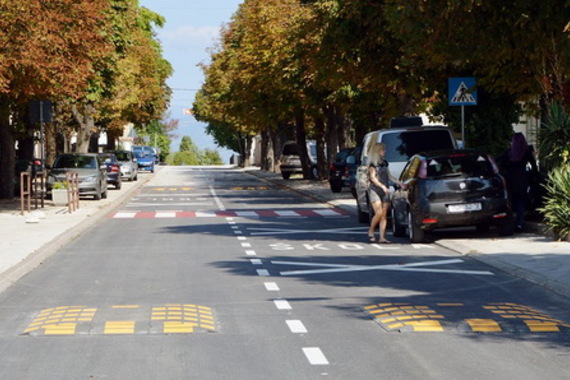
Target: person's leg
[
  {"x": 519, "y": 206},
  {"x": 383, "y": 221},
  {"x": 377, "y": 207}
]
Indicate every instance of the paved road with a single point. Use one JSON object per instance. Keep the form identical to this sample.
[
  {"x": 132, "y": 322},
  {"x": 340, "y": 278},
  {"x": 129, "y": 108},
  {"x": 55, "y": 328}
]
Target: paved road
[{"x": 209, "y": 273}]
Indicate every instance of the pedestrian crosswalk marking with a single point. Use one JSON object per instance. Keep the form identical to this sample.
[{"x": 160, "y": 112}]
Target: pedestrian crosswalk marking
[{"x": 297, "y": 213}]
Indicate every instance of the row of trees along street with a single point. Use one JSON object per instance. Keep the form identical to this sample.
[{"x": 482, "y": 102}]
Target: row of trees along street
[
  {"x": 97, "y": 61},
  {"x": 332, "y": 70}
]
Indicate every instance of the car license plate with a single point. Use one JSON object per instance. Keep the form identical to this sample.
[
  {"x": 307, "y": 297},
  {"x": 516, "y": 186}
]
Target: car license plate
[{"x": 465, "y": 207}]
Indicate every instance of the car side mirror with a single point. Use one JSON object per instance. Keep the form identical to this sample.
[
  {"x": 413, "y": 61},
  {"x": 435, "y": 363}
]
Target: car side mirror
[
  {"x": 134, "y": 160},
  {"x": 351, "y": 160}
]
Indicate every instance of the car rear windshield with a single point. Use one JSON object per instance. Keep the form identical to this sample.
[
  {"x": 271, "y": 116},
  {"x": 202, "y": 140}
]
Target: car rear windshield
[
  {"x": 401, "y": 146},
  {"x": 470, "y": 165},
  {"x": 291, "y": 150},
  {"x": 83, "y": 162},
  {"x": 122, "y": 156}
]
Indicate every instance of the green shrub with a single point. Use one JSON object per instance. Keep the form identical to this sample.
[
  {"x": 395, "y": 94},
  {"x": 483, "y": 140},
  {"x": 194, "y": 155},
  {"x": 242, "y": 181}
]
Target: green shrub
[
  {"x": 59, "y": 185},
  {"x": 556, "y": 208}
]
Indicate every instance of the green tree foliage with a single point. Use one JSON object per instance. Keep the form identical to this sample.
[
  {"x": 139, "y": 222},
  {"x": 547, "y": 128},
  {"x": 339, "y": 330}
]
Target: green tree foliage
[{"x": 189, "y": 154}]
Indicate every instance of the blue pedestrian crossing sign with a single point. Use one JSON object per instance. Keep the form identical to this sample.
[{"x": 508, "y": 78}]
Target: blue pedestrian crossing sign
[{"x": 462, "y": 92}]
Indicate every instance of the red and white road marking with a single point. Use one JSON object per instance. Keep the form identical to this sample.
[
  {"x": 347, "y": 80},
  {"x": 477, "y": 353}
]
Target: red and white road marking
[{"x": 300, "y": 213}]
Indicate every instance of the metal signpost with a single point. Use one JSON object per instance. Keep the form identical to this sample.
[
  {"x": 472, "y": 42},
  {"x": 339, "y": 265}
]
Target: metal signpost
[{"x": 462, "y": 92}]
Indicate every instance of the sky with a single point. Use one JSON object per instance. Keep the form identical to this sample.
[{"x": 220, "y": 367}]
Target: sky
[{"x": 192, "y": 27}]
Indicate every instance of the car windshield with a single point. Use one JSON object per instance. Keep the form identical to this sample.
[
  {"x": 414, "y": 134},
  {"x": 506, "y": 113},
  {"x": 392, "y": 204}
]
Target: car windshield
[
  {"x": 342, "y": 155},
  {"x": 470, "y": 165},
  {"x": 401, "y": 146},
  {"x": 122, "y": 156},
  {"x": 140, "y": 154},
  {"x": 81, "y": 162}
]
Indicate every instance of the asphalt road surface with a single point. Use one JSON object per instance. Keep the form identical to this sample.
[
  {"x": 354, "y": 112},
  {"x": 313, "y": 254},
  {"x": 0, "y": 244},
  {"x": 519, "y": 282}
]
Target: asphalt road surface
[{"x": 210, "y": 273}]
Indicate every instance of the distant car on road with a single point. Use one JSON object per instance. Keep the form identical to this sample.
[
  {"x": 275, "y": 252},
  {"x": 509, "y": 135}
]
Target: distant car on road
[
  {"x": 342, "y": 171},
  {"x": 291, "y": 159},
  {"x": 90, "y": 168},
  {"x": 128, "y": 162},
  {"x": 113, "y": 169},
  {"x": 450, "y": 188},
  {"x": 150, "y": 150},
  {"x": 145, "y": 160}
]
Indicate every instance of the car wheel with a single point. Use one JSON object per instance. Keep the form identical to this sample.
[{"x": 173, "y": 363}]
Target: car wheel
[
  {"x": 118, "y": 185},
  {"x": 97, "y": 196},
  {"x": 397, "y": 229},
  {"x": 415, "y": 233},
  {"x": 336, "y": 188},
  {"x": 136, "y": 178},
  {"x": 507, "y": 228},
  {"x": 286, "y": 175}
]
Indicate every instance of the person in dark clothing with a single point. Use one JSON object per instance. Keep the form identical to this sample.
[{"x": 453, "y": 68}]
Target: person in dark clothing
[{"x": 520, "y": 168}]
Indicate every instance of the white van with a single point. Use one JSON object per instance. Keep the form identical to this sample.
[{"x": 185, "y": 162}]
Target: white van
[{"x": 401, "y": 144}]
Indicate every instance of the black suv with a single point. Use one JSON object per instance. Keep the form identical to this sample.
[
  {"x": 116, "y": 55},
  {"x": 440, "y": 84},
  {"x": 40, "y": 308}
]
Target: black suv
[{"x": 447, "y": 189}]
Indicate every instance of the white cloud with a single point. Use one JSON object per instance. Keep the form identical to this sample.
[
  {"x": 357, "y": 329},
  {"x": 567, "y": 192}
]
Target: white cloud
[{"x": 190, "y": 36}]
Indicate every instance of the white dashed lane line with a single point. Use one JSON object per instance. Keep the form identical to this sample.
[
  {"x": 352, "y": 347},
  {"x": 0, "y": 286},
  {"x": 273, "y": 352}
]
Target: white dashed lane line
[
  {"x": 296, "y": 326},
  {"x": 282, "y": 304},
  {"x": 271, "y": 287},
  {"x": 315, "y": 356}
]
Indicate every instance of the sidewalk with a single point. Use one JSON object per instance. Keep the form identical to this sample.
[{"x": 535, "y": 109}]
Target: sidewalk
[
  {"x": 26, "y": 241},
  {"x": 530, "y": 255}
]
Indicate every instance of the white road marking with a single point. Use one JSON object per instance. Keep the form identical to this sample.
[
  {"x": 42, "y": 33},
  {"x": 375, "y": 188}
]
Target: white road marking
[
  {"x": 125, "y": 215},
  {"x": 255, "y": 262},
  {"x": 296, "y": 326},
  {"x": 271, "y": 287},
  {"x": 217, "y": 199},
  {"x": 250, "y": 252},
  {"x": 238, "y": 232},
  {"x": 241, "y": 238},
  {"x": 412, "y": 267},
  {"x": 282, "y": 304},
  {"x": 165, "y": 214},
  {"x": 315, "y": 356},
  {"x": 288, "y": 231},
  {"x": 326, "y": 212},
  {"x": 263, "y": 272},
  {"x": 206, "y": 214},
  {"x": 246, "y": 245},
  {"x": 247, "y": 214},
  {"x": 287, "y": 213}
]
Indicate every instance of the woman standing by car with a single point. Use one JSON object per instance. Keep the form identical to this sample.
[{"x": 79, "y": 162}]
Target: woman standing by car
[{"x": 379, "y": 193}]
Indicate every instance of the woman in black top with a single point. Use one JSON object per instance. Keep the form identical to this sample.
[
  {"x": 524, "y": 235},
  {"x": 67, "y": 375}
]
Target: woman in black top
[
  {"x": 520, "y": 167},
  {"x": 379, "y": 193}
]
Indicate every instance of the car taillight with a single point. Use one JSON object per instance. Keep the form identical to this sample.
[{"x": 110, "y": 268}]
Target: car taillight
[
  {"x": 429, "y": 221},
  {"x": 333, "y": 166},
  {"x": 346, "y": 171},
  {"x": 115, "y": 168}
]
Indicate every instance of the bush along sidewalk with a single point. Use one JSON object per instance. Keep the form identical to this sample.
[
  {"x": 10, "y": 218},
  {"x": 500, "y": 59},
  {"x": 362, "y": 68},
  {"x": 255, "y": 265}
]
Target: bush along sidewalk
[{"x": 554, "y": 138}]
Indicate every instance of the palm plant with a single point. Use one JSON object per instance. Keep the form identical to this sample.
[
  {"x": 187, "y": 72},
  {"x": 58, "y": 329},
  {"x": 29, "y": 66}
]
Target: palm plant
[{"x": 556, "y": 208}]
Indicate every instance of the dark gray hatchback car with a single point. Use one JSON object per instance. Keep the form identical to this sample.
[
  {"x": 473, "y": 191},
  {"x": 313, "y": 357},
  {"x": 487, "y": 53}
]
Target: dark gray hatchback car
[{"x": 448, "y": 189}]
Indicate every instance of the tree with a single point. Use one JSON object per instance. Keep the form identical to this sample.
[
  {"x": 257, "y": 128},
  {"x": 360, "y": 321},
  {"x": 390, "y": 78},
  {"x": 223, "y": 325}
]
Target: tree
[{"x": 48, "y": 50}]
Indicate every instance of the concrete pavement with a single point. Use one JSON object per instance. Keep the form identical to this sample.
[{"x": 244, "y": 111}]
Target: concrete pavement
[{"x": 27, "y": 240}]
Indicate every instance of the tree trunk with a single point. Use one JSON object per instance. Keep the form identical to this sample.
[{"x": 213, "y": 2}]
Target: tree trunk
[
  {"x": 86, "y": 121},
  {"x": 301, "y": 136},
  {"x": 7, "y": 153},
  {"x": 321, "y": 155}
]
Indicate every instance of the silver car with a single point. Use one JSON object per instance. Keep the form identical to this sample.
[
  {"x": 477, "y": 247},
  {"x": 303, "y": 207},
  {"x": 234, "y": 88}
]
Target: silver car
[
  {"x": 129, "y": 166},
  {"x": 91, "y": 170}
]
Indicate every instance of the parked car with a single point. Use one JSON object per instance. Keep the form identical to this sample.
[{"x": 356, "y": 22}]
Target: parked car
[
  {"x": 448, "y": 189},
  {"x": 291, "y": 160},
  {"x": 145, "y": 160},
  {"x": 129, "y": 166},
  {"x": 90, "y": 168},
  {"x": 113, "y": 169},
  {"x": 342, "y": 171},
  {"x": 401, "y": 144}
]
